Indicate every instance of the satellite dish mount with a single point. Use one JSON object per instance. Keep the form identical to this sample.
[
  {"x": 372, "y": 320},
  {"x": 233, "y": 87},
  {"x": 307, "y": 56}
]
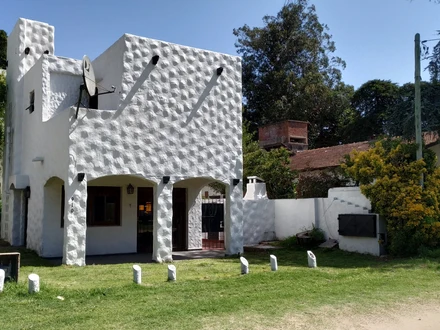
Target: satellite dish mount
[{"x": 89, "y": 84}]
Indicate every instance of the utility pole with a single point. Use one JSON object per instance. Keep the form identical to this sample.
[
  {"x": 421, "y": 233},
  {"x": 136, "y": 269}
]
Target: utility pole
[{"x": 417, "y": 101}]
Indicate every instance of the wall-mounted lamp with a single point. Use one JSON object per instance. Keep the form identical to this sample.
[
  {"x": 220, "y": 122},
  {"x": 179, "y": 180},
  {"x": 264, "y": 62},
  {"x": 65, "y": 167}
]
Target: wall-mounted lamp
[
  {"x": 155, "y": 59},
  {"x": 219, "y": 71},
  {"x": 235, "y": 181},
  {"x": 81, "y": 177},
  {"x": 27, "y": 50},
  {"x": 46, "y": 52},
  {"x": 166, "y": 179},
  {"x": 28, "y": 192},
  {"x": 130, "y": 189}
]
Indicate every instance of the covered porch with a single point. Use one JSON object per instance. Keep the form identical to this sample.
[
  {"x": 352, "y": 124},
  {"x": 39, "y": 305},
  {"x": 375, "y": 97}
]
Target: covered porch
[{"x": 128, "y": 214}]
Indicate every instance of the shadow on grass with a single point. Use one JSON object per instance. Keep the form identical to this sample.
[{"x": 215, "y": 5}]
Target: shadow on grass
[
  {"x": 27, "y": 257},
  {"x": 294, "y": 257},
  {"x": 332, "y": 258}
]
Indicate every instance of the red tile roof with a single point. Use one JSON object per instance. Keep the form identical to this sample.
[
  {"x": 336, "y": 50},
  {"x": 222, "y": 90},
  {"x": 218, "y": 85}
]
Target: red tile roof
[
  {"x": 324, "y": 157},
  {"x": 430, "y": 138},
  {"x": 333, "y": 156}
]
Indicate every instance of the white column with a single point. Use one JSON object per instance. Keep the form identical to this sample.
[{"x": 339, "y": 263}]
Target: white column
[
  {"x": 311, "y": 259},
  {"x": 234, "y": 219},
  {"x": 34, "y": 283},
  {"x": 244, "y": 266},
  {"x": 273, "y": 263},
  {"x": 194, "y": 218},
  {"x": 2, "y": 279},
  {"x": 137, "y": 274},
  {"x": 163, "y": 223},
  {"x": 172, "y": 274},
  {"x": 75, "y": 225}
]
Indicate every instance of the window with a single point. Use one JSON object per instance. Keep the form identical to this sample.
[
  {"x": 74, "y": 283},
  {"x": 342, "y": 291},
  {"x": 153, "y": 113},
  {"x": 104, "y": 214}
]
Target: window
[
  {"x": 31, "y": 102},
  {"x": 294, "y": 139},
  {"x": 103, "y": 206}
]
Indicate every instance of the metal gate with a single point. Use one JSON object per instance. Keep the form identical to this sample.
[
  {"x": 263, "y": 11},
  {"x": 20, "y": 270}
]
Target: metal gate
[{"x": 213, "y": 214}]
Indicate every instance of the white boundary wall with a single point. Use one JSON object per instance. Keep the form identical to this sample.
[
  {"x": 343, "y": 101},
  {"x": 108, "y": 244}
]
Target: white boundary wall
[{"x": 265, "y": 219}]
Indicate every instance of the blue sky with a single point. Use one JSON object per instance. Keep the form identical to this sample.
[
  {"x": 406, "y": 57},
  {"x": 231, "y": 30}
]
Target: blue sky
[{"x": 374, "y": 37}]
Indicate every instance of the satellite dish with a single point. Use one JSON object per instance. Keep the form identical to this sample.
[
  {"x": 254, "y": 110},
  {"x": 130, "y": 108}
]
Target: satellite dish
[{"x": 89, "y": 76}]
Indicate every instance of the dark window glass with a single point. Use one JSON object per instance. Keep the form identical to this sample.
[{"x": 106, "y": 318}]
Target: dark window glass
[
  {"x": 31, "y": 101},
  {"x": 103, "y": 206}
]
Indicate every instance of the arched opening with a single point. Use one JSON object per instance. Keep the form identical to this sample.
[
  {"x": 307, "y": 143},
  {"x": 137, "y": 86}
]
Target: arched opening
[
  {"x": 120, "y": 215},
  {"x": 196, "y": 219},
  {"x": 213, "y": 215},
  {"x": 53, "y": 218}
]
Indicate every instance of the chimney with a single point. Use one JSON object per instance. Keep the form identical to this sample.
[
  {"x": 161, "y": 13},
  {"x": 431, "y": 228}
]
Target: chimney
[{"x": 291, "y": 134}]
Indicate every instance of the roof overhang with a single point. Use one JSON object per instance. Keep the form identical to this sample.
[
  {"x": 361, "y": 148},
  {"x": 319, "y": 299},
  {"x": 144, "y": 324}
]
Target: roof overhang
[{"x": 18, "y": 181}]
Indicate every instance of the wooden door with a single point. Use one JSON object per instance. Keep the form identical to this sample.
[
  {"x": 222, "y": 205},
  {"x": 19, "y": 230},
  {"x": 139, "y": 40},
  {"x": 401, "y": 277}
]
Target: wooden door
[
  {"x": 145, "y": 220},
  {"x": 180, "y": 219}
]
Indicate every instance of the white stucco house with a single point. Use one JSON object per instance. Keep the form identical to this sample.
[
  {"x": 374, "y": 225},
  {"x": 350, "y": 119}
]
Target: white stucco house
[{"x": 126, "y": 176}]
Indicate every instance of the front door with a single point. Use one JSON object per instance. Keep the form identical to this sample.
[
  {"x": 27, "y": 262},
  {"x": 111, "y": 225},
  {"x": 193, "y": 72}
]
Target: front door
[
  {"x": 179, "y": 219},
  {"x": 145, "y": 220}
]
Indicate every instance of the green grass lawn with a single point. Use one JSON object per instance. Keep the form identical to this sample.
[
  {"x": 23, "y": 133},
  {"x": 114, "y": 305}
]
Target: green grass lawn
[{"x": 210, "y": 293}]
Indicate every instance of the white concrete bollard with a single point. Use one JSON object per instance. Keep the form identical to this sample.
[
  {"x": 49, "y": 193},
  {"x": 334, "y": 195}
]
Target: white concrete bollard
[
  {"x": 2, "y": 279},
  {"x": 244, "y": 266},
  {"x": 273, "y": 263},
  {"x": 137, "y": 274},
  {"x": 172, "y": 275},
  {"x": 34, "y": 283},
  {"x": 311, "y": 259}
]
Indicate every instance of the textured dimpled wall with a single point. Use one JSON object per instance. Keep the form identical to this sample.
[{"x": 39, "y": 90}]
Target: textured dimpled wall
[
  {"x": 162, "y": 245},
  {"x": 39, "y": 37},
  {"x": 177, "y": 118},
  {"x": 194, "y": 224},
  {"x": 258, "y": 220}
]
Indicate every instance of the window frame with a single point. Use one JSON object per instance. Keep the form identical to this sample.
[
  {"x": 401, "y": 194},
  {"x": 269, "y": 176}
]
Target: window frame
[
  {"x": 107, "y": 192},
  {"x": 92, "y": 193}
]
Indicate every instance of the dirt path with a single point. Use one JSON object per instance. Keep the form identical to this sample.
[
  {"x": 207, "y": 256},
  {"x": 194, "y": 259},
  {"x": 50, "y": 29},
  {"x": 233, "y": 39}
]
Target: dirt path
[
  {"x": 412, "y": 314},
  {"x": 415, "y": 315},
  {"x": 422, "y": 317}
]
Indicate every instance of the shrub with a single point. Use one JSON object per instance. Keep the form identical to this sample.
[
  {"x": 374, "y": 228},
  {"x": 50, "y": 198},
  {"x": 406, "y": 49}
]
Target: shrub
[
  {"x": 317, "y": 235},
  {"x": 316, "y": 184},
  {"x": 289, "y": 242},
  {"x": 389, "y": 175}
]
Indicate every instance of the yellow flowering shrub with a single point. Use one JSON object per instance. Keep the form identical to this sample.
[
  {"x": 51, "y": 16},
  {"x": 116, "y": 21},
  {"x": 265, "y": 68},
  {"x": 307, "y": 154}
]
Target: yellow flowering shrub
[{"x": 389, "y": 175}]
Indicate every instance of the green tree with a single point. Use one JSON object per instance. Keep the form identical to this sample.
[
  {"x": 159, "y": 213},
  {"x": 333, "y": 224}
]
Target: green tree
[
  {"x": 2, "y": 111},
  {"x": 373, "y": 103},
  {"x": 289, "y": 72},
  {"x": 3, "y": 48},
  {"x": 272, "y": 166},
  {"x": 3, "y": 44},
  {"x": 401, "y": 115}
]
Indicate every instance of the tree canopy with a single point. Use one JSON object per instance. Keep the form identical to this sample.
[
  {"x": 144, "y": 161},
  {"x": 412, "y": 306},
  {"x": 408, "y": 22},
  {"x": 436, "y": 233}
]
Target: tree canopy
[
  {"x": 290, "y": 72},
  {"x": 3, "y": 48},
  {"x": 372, "y": 103},
  {"x": 272, "y": 166},
  {"x": 3, "y": 44},
  {"x": 383, "y": 108}
]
